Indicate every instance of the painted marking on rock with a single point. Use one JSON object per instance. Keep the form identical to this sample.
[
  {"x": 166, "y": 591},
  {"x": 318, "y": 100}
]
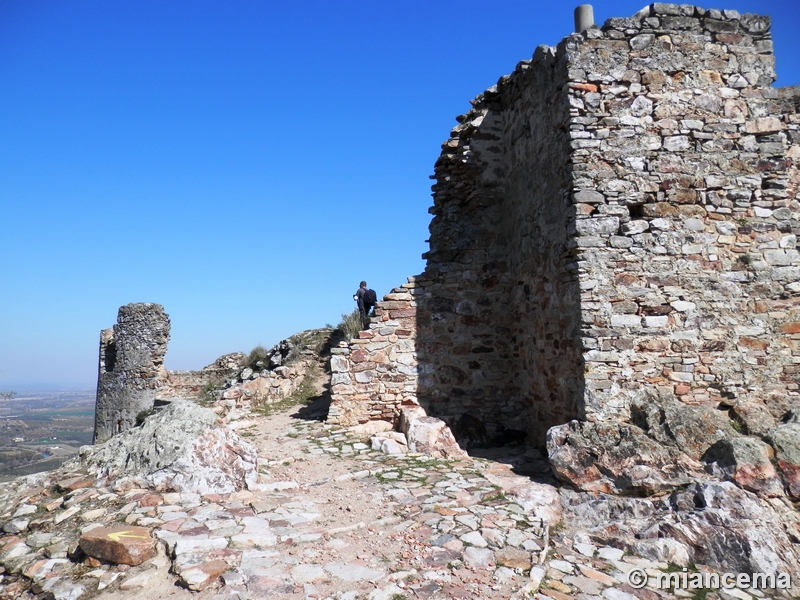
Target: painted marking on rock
[{"x": 117, "y": 535}]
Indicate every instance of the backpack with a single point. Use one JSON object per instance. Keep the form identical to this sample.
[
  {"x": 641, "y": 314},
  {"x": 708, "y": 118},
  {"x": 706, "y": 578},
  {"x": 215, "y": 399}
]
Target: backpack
[{"x": 370, "y": 299}]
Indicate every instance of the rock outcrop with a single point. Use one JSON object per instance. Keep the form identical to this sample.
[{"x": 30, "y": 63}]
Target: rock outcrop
[
  {"x": 181, "y": 448},
  {"x": 712, "y": 523},
  {"x": 275, "y": 374},
  {"x": 618, "y": 458},
  {"x": 785, "y": 439}
]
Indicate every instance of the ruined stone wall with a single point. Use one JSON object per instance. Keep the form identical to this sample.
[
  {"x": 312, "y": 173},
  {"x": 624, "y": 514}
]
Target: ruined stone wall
[
  {"x": 685, "y": 195},
  {"x": 376, "y": 373},
  {"x": 193, "y": 384},
  {"x": 498, "y": 255},
  {"x": 617, "y": 215},
  {"x": 499, "y": 321},
  {"x": 131, "y": 369}
]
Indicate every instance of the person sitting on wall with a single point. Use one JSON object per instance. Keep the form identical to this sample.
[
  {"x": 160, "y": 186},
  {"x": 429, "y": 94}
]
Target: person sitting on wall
[{"x": 366, "y": 300}]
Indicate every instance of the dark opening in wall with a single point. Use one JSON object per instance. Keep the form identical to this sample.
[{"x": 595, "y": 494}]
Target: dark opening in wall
[
  {"x": 110, "y": 357},
  {"x": 636, "y": 211}
]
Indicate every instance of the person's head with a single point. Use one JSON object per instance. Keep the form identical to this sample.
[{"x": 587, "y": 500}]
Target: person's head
[{"x": 363, "y": 284}]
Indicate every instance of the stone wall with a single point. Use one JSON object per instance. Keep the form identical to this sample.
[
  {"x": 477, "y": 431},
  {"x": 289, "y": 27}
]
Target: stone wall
[
  {"x": 375, "y": 374},
  {"x": 685, "y": 190},
  {"x": 193, "y": 384},
  {"x": 618, "y": 215},
  {"x": 131, "y": 368},
  {"x": 499, "y": 321}
]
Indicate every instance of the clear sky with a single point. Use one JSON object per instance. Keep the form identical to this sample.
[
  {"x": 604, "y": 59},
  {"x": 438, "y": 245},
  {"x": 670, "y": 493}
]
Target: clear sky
[{"x": 243, "y": 163}]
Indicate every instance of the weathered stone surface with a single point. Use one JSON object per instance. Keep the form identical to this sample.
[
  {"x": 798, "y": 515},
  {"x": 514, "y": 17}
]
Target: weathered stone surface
[
  {"x": 137, "y": 582},
  {"x": 390, "y": 442},
  {"x": 182, "y": 448},
  {"x": 786, "y": 440},
  {"x": 734, "y": 518},
  {"x": 371, "y": 428},
  {"x": 617, "y": 458},
  {"x": 514, "y": 558},
  {"x": 409, "y": 414},
  {"x": 203, "y": 576},
  {"x": 693, "y": 430},
  {"x": 119, "y": 545},
  {"x": 16, "y": 526},
  {"x": 717, "y": 523},
  {"x": 747, "y": 462},
  {"x": 351, "y": 572},
  {"x": 432, "y": 436},
  {"x": 478, "y": 558},
  {"x": 663, "y": 550},
  {"x": 755, "y": 416}
]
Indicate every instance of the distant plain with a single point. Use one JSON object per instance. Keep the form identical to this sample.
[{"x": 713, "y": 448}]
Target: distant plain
[{"x": 41, "y": 430}]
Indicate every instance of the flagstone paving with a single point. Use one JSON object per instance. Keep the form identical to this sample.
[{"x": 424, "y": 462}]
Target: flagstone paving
[{"x": 329, "y": 518}]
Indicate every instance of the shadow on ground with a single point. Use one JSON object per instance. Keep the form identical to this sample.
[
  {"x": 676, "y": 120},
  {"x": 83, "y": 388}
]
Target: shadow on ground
[
  {"x": 523, "y": 460},
  {"x": 316, "y": 409}
]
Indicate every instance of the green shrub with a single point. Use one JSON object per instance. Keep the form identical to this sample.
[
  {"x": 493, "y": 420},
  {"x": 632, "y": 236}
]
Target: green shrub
[{"x": 258, "y": 354}]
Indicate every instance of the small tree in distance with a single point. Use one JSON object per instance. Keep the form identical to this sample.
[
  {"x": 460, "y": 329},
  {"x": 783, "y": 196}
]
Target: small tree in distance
[{"x": 7, "y": 395}]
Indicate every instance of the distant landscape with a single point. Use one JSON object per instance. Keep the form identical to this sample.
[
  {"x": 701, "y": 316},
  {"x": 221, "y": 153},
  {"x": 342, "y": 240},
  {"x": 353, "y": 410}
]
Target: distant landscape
[{"x": 41, "y": 430}]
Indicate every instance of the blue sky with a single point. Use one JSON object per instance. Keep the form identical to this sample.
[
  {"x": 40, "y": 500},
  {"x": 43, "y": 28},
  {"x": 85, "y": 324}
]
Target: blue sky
[{"x": 243, "y": 163}]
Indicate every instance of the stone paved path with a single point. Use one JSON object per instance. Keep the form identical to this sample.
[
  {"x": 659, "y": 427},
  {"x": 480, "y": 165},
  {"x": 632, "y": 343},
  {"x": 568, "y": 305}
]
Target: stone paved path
[{"x": 330, "y": 518}]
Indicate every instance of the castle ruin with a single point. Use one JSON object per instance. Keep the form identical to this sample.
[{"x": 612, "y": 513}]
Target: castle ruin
[
  {"x": 131, "y": 368},
  {"x": 615, "y": 220}
]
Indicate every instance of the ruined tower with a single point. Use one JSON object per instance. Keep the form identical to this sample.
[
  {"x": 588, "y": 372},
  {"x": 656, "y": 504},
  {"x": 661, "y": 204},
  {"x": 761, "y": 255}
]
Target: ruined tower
[
  {"x": 131, "y": 368},
  {"x": 618, "y": 216}
]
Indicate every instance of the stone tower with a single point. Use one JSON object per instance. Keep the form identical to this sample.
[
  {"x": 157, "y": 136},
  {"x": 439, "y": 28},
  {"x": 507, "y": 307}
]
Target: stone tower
[{"x": 131, "y": 368}]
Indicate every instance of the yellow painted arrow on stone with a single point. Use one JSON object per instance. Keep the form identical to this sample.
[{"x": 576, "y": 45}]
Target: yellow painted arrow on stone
[{"x": 116, "y": 535}]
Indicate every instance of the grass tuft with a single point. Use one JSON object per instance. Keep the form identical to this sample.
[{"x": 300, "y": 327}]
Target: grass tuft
[{"x": 350, "y": 325}]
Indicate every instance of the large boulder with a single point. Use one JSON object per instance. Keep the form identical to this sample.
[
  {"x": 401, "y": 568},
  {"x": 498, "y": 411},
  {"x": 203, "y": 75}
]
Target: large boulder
[
  {"x": 183, "y": 448},
  {"x": 691, "y": 429},
  {"x": 617, "y": 458},
  {"x": 716, "y": 523},
  {"x": 733, "y": 530},
  {"x": 432, "y": 436},
  {"x": 746, "y": 461}
]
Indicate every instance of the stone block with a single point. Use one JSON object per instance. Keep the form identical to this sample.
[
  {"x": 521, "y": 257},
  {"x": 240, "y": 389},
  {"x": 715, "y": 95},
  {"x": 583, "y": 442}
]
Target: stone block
[
  {"x": 588, "y": 197},
  {"x": 432, "y": 436},
  {"x": 595, "y": 226},
  {"x": 626, "y": 321},
  {"x": 119, "y": 545},
  {"x": 339, "y": 364}
]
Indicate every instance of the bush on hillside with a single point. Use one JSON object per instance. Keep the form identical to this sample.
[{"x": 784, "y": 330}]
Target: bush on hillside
[{"x": 258, "y": 354}]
